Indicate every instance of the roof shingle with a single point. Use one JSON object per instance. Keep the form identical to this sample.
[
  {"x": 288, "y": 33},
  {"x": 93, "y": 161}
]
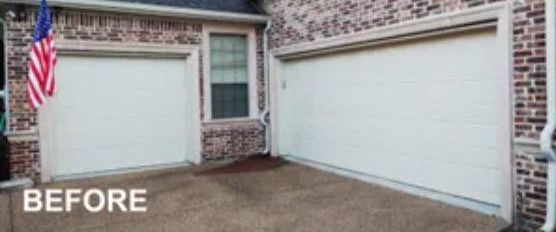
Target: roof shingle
[{"x": 234, "y": 6}]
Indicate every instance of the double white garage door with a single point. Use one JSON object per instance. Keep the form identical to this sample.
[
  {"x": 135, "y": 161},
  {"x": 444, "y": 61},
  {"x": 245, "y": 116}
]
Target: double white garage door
[
  {"x": 427, "y": 113},
  {"x": 117, "y": 112}
]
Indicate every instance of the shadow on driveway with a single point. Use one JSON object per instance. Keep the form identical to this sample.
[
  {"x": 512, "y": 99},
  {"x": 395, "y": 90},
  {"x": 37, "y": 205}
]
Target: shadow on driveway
[{"x": 277, "y": 197}]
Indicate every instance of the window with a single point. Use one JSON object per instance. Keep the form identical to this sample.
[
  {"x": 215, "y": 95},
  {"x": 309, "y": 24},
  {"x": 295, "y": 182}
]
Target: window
[{"x": 229, "y": 76}]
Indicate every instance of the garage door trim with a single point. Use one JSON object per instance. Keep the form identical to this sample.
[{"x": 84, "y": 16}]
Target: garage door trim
[
  {"x": 190, "y": 55},
  {"x": 500, "y": 13},
  {"x": 476, "y": 18}
]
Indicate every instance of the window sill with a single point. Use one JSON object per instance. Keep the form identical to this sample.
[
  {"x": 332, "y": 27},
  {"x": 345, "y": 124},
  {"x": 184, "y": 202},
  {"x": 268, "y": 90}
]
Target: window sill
[{"x": 230, "y": 120}]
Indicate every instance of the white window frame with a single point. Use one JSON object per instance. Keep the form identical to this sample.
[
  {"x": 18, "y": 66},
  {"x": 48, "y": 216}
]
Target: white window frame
[{"x": 249, "y": 31}]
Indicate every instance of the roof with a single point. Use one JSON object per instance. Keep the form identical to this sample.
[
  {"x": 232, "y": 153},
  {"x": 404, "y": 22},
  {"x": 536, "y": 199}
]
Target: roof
[{"x": 233, "y": 6}]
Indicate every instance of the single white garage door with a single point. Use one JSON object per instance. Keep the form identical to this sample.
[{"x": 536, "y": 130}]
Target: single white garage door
[
  {"x": 424, "y": 112},
  {"x": 114, "y": 113}
]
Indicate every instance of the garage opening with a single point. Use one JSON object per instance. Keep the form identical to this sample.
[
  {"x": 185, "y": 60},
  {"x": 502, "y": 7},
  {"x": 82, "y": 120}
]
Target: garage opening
[
  {"x": 424, "y": 112},
  {"x": 131, "y": 112}
]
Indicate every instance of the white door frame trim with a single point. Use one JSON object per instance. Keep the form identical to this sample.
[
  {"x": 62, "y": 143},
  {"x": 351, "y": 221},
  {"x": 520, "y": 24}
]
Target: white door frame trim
[
  {"x": 189, "y": 53},
  {"x": 496, "y": 15}
]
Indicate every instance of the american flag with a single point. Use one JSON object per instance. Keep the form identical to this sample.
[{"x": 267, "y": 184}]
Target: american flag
[{"x": 42, "y": 61}]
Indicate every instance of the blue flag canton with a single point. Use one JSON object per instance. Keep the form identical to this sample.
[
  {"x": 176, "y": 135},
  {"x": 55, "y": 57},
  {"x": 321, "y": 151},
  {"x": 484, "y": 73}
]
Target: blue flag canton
[{"x": 43, "y": 23}]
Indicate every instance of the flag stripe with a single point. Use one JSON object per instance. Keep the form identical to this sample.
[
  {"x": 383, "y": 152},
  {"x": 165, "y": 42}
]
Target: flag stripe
[
  {"x": 33, "y": 97},
  {"x": 33, "y": 83}
]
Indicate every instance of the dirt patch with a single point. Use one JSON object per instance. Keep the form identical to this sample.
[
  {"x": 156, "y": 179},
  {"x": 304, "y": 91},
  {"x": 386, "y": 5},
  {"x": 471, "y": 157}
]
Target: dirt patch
[{"x": 252, "y": 164}]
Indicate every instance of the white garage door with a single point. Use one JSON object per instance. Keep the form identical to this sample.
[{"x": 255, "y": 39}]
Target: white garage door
[
  {"x": 425, "y": 113},
  {"x": 119, "y": 112}
]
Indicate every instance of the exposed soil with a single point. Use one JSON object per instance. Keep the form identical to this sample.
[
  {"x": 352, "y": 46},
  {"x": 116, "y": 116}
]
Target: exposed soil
[{"x": 252, "y": 164}]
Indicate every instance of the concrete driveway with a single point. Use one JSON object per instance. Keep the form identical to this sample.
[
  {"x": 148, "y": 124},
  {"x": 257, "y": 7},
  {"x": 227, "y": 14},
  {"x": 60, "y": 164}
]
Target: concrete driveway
[{"x": 283, "y": 197}]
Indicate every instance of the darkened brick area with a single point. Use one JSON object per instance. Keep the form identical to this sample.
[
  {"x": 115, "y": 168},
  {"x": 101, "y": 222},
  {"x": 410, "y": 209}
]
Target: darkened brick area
[
  {"x": 296, "y": 21},
  {"x": 99, "y": 26}
]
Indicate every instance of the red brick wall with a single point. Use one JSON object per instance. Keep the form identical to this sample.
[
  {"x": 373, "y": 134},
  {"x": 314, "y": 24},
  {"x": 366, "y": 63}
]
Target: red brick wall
[
  {"x": 220, "y": 140},
  {"x": 296, "y": 21},
  {"x": 25, "y": 159},
  {"x": 99, "y": 26},
  {"x": 531, "y": 188}
]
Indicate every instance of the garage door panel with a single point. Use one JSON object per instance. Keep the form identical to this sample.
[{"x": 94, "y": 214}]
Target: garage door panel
[
  {"x": 172, "y": 144},
  {"x": 125, "y": 114},
  {"x": 432, "y": 51},
  {"x": 471, "y": 181},
  {"x": 455, "y": 152},
  {"x": 107, "y": 98},
  {"x": 131, "y": 128},
  {"x": 120, "y": 132},
  {"x": 132, "y": 84},
  {"x": 118, "y": 72},
  {"x": 154, "y": 112},
  {"x": 451, "y": 178},
  {"x": 422, "y": 112},
  {"x": 116, "y": 157},
  {"x": 395, "y": 130},
  {"x": 386, "y": 99},
  {"x": 466, "y": 111},
  {"x": 469, "y": 134}
]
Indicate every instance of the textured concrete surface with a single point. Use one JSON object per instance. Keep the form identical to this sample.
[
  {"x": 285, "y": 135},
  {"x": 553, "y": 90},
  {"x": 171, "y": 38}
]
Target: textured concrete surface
[
  {"x": 285, "y": 198},
  {"x": 4, "y": 212}
]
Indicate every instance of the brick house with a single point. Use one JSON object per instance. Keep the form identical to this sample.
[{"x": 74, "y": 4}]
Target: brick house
[
  {"x": 178, "y": 40},
  {"x": 457, "y": 90}
]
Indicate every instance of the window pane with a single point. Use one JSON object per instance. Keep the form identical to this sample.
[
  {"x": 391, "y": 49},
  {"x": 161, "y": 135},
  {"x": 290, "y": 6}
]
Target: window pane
[
  {"x": 229, "y": 101},
  {"x": 228, "y": 57},
  {"x": 229, "y": 76}
]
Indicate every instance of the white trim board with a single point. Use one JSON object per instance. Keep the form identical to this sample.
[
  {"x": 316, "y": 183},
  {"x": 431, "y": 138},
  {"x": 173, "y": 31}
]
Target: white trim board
[
  {"x": 133, "y": 49},
  {"x": 478, "y": 17},
  {"x": 450, "y": 199}
]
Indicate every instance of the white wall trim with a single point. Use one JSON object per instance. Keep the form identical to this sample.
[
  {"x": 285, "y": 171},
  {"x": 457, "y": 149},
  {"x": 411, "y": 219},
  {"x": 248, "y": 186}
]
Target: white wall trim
[
  {"x": 195, "y": 142},
  {"x": 190, "y": 55},
  {"x": 275, "y": 73},
  {"x": 496, "y": 15},
  {"x": 149, "y": 9},
  {"x": 140, "y": 49},
  {"x": 447, "y": 198},
  {"x": 504, "y": 36},
  {"x": 250, "y": 32},
  {"x": 433, "y": 25}
]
